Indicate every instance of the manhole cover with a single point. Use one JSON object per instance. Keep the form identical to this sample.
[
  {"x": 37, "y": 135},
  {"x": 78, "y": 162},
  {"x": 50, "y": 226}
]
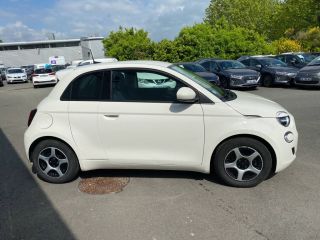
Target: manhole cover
[{"x": 103, "y": 185}]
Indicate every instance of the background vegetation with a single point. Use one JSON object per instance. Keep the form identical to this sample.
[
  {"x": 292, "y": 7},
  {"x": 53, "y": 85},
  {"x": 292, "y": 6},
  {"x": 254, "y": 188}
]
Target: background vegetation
[{"x": 231, "y": 28}]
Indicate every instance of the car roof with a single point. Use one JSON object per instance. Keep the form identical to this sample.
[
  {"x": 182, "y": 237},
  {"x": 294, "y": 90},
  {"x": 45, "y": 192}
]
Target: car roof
[
  {"x": 182, "y": 63},
  {"x": 137, "y": 63}
]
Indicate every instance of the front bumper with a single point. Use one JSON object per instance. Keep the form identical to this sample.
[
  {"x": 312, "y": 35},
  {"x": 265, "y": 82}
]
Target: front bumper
[
  {"x": 244, "y": 83},
  {"x": 307, "y": 81},
  {"x": 17, "y": 80},
  {"x": 283, "y": 79}
]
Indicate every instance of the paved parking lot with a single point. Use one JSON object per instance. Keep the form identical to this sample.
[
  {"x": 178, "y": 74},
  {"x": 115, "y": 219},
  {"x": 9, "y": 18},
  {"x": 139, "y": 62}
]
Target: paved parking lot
[{"x": 160, "y": 205}]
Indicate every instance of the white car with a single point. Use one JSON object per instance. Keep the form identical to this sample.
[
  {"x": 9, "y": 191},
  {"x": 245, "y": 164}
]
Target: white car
[
  {"x": 98, "y": 117},
  {"x": 43, "y": 76},
  {"x": 14, "y": 75}
]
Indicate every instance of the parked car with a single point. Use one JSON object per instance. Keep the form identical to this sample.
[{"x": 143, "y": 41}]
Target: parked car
[
  {"x": 3, "y": 73},
  {"x": 43, "y": 76},
  {"x": 98, "y": 117},
  {"x": 232, "y": 73},
  {"x": 1, "y": 81},
  {"x": 200, "y": 71},
  {"x": 14, "y": 75},
  {"x": 246, "y": 57},
  {"x": 29, "y": 70},
  {"x": 297, "y": 60},
  {"x": 273, "y": 71},
  {"x": 309, "y": 75}
]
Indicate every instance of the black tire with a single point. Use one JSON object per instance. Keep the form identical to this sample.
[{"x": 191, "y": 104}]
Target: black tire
[
  {"x": 59, "y": 172},
  {"x": 229, "y": 174},
  {"x": 225, "y": 83},
  {"x": 267, "y": 81},
  {"x": 34, "y": 86}
]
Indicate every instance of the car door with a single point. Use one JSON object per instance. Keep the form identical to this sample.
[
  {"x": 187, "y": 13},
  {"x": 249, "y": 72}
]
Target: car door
[
  {"x": 142, "y": 124},
  {"x": 84, "y": 96}
]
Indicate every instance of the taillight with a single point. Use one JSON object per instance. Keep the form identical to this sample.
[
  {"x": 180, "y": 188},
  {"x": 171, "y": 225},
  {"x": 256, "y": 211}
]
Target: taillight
[
  {"x": 52, "y": 73},
  {"x": 31, "y": 116}
]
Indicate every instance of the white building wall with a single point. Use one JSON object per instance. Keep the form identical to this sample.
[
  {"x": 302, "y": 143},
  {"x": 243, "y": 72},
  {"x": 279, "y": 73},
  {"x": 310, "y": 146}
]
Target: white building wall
[{"x": 14, "y": 58}]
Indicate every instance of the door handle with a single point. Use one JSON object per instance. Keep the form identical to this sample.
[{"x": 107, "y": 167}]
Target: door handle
[{"x": 111, "y": 116}]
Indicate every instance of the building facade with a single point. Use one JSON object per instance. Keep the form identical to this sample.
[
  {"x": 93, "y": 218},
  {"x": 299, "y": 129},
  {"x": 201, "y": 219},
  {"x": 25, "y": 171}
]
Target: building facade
[{"x": 16, "y": 54}]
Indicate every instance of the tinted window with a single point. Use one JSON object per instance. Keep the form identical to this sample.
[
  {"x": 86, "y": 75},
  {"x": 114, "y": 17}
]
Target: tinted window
[
  {"x": 87, "y": 87},
  {"x": 231, "y": 65},
  {"x": 246, "y": 62},
  {"x": 43, "y": 71},
  {"x": 193, "y": 67},
  {"x": 206, "y": 65},
  {"x": 143, "y": 86}
]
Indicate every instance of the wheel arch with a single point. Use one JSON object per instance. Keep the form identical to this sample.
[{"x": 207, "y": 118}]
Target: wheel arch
[
  {"x": 266, "y": 143},
  {"x": 40, "y": 139}
]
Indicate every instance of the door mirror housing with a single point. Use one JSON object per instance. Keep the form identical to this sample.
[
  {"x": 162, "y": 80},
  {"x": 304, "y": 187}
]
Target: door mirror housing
[
  {"x": 259, "y": 66},
  {"x": 186, "y": 94}
]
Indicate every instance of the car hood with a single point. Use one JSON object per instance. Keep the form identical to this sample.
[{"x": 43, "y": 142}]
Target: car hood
[
  {"x": 252, "y": 105},
  {"x": 242, "y": 72},
  {"x": 207, "y": 75},
  {"x": 310, "y": 69},
  {"x": 284, "y": 69}
]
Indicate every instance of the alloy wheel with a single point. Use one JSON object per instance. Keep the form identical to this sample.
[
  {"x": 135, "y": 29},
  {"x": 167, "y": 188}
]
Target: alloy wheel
[{"x": 243, "y": 163}]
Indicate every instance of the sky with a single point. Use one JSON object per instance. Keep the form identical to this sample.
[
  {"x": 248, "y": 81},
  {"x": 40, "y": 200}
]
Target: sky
[{"x": 28, "y": 20}]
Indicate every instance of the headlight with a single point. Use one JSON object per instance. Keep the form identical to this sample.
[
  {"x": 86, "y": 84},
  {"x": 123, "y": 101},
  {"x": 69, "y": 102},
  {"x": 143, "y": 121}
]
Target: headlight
[
  {"x": 282, "y": 73},
  {"x": 236, "y": 76},
  {"x": 283, "y": 118}
]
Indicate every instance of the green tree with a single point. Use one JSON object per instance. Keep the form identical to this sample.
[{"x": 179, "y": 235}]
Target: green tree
[
  {"x": 296, "y": 15},
  {"x": 166, "y": 50},
  {"x": 128, "y": 44},
  {"x": 222, "y": 40},
  {"x": 254, "y": 15}
]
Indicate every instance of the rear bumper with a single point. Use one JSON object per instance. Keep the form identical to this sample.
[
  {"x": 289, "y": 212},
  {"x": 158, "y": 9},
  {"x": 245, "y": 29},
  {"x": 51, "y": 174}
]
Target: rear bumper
[{"x": 47, "y": 82}]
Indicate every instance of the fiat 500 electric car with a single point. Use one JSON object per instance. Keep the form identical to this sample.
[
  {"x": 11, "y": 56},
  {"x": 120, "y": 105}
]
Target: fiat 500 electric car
[{"x": 155, "y": 115}]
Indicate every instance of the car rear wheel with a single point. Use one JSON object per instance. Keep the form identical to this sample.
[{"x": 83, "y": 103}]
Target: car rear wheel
[
  {"x": 267, "y": 81},
  {"x": 242, "y": 162},
  {"x": 55, "y": 162}
]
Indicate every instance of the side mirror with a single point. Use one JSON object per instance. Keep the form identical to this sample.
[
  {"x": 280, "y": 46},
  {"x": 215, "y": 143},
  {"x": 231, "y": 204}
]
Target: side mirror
[
  {"x": 259, "y": 66},
  {"x": 186, "y": 94}
]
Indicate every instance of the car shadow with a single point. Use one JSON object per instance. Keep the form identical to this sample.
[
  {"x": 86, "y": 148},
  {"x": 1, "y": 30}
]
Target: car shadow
[
  {"x": 150, "y": 174},
  {"x": 25, "y": 210}
]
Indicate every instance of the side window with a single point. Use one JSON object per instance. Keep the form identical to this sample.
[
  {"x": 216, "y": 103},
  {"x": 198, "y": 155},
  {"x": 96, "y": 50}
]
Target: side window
[
  {"x": 214, "y": 66},
  {"x": 143, "y": 86},
  {"x": 85, "y": 88},
  {"x": 254, "y": 63},
  {"x": 246, "y": 62},
  {"x": 206, "y": 65},
  {"x": 282, "y": 58}
]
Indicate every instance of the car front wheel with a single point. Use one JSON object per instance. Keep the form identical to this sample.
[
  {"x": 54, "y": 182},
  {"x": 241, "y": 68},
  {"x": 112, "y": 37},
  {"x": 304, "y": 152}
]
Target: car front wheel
[
  {"x": 242, "y": 162},
  {"x": 55, "y": 162}
]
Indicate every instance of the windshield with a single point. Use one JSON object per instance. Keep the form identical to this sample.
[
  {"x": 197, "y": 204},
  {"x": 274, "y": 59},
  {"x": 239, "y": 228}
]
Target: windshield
[
  {"x": 215, "y": 90},
  {"x": 315, "y": 62},
  {"x": 16, "y": 70},
  {"x": 43, "y": 70},
  {"x": 306, "y": 57},
  {"x": 272, "y": 62},
  {"x": 224, "y": 65},
  {"x": 193, "y": 67}
]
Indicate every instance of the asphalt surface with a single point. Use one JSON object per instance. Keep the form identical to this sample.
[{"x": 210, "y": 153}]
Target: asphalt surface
[{"x": 160, "y": 205}]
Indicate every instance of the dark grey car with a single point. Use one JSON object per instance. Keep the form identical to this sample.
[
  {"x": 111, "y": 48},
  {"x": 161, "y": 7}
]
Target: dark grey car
[
  {"x": 232, "y": 74},
  {"x": 200, "y": 71},
  {"x": 309, "y": 75},
  {"x": 273, "y": 71}
]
